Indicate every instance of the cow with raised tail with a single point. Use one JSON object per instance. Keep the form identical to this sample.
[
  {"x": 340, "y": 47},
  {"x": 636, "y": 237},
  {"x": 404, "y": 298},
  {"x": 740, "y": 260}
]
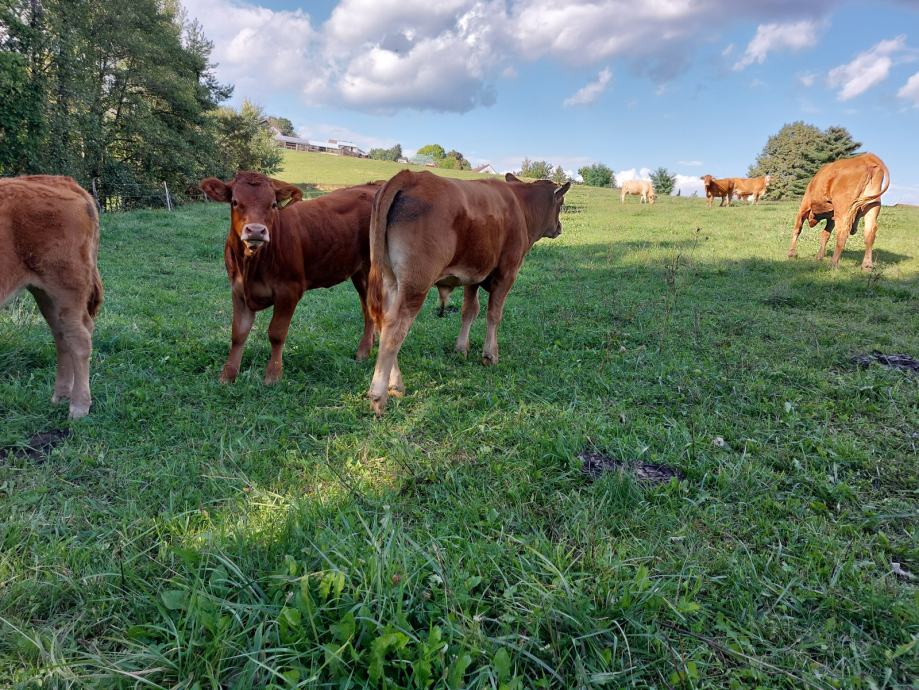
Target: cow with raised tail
[
  {"x": 841, "y": 193},
  {"x": 428, "y": 230},
  {"x": 279, "y": 247},
  {"x": 49, "y": 241}
]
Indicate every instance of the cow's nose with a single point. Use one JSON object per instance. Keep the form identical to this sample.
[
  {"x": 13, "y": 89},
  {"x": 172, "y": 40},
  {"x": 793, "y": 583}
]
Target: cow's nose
[{"x": 255, "y": 231}]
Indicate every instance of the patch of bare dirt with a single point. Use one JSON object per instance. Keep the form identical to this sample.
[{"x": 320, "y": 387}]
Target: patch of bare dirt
[
  {"x": 898, "y": 361},
  {"x": 595, "y": 465},
  {"x": 39, "y": 446}
]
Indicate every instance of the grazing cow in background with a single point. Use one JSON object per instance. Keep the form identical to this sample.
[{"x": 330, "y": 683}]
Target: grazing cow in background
[
  {"x": 274, "y": 254},
  {"x": 49, "y": 241},
  {"x": 642, "y": 188},
  {"x": 751, "y": 187},
  {"x": 428, "y": 230},
  {"x": 723, "y": 188},
  {"x": 841, "y": 193}
]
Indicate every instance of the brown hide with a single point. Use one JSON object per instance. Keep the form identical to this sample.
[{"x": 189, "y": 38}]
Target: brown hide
[
  {"x": 274, "y": 254},
  {"x": 428, "y": 230},
  {"x": 49, "y": 241},
  {"x": 841, "y": 193}
]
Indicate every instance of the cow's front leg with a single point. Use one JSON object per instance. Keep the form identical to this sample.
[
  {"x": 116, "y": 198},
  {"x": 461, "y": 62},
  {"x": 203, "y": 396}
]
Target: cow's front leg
[
  {"x": 243, "y": 318},
  {"x": 277, "y": 335},
  {"x": 495, "y": 312}
]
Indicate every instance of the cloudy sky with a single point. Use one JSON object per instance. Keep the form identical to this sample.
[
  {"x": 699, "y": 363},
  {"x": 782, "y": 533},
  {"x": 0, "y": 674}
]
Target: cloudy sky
[{"x": 696, "y": 86}]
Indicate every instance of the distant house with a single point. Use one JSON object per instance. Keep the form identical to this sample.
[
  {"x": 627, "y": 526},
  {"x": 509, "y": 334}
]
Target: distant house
[
  {"x": 333, "y": 146},
  {"x": 487, "y": 169}
]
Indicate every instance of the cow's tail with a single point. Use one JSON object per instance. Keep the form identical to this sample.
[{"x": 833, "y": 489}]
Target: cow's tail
[
  {"x": 862, "y": 201},
  {"x": 379, "y": 261},
  {"x": 96, "y": 291}
]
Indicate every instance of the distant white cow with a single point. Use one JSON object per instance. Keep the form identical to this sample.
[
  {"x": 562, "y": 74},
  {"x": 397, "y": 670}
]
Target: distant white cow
[{"x": 642, "y": 188}]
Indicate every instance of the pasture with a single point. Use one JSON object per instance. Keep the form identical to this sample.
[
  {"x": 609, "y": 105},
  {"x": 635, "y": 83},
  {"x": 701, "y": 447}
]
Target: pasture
[{"x": 193, "y": 535}]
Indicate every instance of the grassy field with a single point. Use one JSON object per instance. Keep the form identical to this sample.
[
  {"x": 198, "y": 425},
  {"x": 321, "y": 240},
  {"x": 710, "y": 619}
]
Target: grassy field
[{"x": 193, "y": 535}]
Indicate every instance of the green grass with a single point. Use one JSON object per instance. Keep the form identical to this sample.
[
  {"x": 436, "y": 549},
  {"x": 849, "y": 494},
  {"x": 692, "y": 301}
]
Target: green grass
[{"x": 193, "y": 535}]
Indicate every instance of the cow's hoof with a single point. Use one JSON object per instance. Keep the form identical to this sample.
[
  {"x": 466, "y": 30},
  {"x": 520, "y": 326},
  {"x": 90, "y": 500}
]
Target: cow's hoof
[
  {"x": 59, "y": 397},
  {"x": 378, "y": 404},
  {"x": 272, "y": 378},
  {"x": 228, "y": 375},
  {"x": 867, "y": 267},
  {"x": 79, "y": 410},
  {"x": 463, "y": 351},
  {"x": 361, "y": 356},
  {"x": 792, "y": 255},
  {"x": 395, "y": 392},
  {"x": 489, "y": 359}
]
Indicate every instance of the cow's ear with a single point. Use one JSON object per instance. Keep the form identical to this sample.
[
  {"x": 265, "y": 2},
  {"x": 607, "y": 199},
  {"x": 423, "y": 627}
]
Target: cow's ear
[
  {"x": 560, "y": 192},
  {"x": 216, "y": 190},
  {"x": 511, "y": 177},
  {"x": 286, "y": 192}
]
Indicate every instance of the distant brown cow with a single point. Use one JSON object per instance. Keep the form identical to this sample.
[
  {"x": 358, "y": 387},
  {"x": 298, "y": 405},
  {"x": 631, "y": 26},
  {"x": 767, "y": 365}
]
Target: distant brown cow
[
  {"x": 274, "y": 254},
  {"x": 428, "y": 230},
  {"x": 723, "y": 188},
  {"x": 751, "y": 187},
  {"x": 49, "y": 240},
  {"x": 841, "y": 193}
]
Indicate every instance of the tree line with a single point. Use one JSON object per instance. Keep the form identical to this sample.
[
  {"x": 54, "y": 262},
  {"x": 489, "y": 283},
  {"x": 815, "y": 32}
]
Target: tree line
[{"x": 122, "y": 91}]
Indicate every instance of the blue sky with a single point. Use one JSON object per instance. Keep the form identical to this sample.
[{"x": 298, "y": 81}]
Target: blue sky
[{"x": 696, "y": 86}]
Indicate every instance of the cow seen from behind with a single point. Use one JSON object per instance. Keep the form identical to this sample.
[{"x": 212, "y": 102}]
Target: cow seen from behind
[
  {"x": 841, "y": 193},
  {"x": 428, "y": 230},
  {"x": 279, "y": 246},
  {"x": 49, "y": 241}
]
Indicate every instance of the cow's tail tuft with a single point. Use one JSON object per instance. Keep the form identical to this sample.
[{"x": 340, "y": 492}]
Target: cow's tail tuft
[{"x": 379, "y": 261}]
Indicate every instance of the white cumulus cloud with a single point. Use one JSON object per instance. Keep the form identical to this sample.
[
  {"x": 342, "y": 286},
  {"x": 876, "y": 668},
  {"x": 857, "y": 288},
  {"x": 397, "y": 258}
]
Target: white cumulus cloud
[
  {"x": 590, "y": 92},
  {"x": 910, "y": 90},
  {"x": 868, "y": 69},
  {"x": 771, "y": 37}
]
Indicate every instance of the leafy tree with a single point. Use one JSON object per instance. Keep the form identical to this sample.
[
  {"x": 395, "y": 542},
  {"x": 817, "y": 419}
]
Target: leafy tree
[
  {"x": 663, "y": 181},
  {"x": 391, "y": 154},
  {"x": 796, "y": 152},
  {"x": 245, "y": 142},
  {"x": 119, "y": 90},
  {"x": 597, "y": 175},
  {"x": 559, "y": 176},
  {"x": 540, "y": 170},
  {"x": 436, "y": 151},
  {"x": 283, "y": 125}
]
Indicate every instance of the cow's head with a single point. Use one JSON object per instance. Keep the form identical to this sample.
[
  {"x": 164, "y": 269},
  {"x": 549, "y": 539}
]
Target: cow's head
[
  {"x": 546, "y": 216},
  {"x": 766, "y": 180},
  {"x": 707, "y": 179},
  {"x": 255, "y": 201},
  {"x": 652, "y": 196}
]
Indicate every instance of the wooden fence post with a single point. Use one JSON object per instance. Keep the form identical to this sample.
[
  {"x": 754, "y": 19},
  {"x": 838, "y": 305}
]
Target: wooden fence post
[
  {"x": 168, "y": 199},
  {"x": 96, "y": 196}
]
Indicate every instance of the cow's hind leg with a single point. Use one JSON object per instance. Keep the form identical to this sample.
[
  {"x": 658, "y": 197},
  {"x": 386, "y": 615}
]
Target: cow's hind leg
[
  {"x": 470, "y": 311},
  {"x": 63, "y": 379},
  {"x": 77, "y": 329},
  {"x": 363, "y": 349},
  {"x": 400, "y": 313},
  {"x": 871, "y": 228},
  {"x": 842, "y": 236},
  {"x": 444, "y": 293}
]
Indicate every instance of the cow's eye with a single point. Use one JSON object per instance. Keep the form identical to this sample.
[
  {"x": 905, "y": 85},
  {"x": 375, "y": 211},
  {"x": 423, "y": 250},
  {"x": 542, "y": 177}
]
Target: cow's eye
[{"x": 274, "y": 204}]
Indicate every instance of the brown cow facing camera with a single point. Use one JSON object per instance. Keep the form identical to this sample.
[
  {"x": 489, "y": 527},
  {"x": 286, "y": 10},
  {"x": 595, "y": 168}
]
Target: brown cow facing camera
[
  {"x": 841, "y": 193},
  {"x": 428, "y": 230},
  {"x": 275, "y": 253},
  {"x": 723, "y": 188},
  {"x": 49, "y": 241}
]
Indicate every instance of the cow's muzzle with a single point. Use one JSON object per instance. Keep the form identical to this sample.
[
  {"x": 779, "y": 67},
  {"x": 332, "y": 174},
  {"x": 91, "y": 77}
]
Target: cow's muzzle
[{"x": 254, "y": 235}]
